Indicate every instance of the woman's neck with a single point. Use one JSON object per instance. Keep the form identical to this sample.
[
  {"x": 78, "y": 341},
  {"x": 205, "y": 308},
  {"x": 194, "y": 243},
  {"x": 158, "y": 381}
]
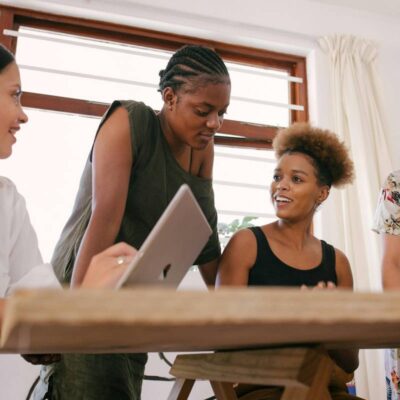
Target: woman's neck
[
  {"x": 296, "y": 234},
  {"x": 179, "y": 149},
  {"x": 176, "y": 146}
]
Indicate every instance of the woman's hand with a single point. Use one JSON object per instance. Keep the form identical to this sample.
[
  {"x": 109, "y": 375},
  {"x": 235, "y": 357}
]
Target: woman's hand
[
  {"x": 320, "y": 285},
  {"x": 41, "y": 359},
  {"x": 104, "y": 271},
  {"x": 107, "y": 267}
]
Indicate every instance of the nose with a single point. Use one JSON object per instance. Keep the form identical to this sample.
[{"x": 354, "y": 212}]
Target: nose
[
  {"x": 22, "y": 117},
  {"x": 283, "y": 184},
  {"x": 214, "y": 122}
]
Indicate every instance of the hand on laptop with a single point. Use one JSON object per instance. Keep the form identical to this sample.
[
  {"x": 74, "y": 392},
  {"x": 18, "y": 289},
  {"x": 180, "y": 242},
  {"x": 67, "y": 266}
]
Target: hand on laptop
[{"x": 107, "y": 267}]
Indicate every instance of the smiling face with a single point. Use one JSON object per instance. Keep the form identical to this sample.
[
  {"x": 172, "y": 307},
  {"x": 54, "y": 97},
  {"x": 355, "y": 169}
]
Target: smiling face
[
  {"x": 194, "y": 116},
  {"x": 11, "y": 113},
  {"x": 295, "y": 191}
]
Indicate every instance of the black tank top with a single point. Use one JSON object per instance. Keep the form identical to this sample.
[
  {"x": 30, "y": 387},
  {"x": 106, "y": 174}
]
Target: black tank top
[{"x": 269, "y": 270}]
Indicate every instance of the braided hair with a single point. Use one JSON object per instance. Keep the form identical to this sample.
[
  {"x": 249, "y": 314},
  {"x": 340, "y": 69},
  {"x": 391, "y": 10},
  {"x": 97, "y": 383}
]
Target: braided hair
[
  {"x": 6, "y": 57},
  {"x": 191, "y": 62}
]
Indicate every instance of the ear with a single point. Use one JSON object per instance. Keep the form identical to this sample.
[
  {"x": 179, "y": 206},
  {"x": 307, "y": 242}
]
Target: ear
[
  {"x": 323, "y": 194},
  {"x": 169, "y": 97}
]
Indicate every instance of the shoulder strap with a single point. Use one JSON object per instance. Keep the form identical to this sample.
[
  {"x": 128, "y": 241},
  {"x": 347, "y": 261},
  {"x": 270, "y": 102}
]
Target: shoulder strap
[
  {"x": 329, "y": 260},
  {"x": 262, "y": 242}
]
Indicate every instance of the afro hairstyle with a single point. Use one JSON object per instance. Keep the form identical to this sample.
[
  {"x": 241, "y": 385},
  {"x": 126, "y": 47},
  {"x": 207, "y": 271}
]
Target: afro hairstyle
[{"x": 329, "y": 155}]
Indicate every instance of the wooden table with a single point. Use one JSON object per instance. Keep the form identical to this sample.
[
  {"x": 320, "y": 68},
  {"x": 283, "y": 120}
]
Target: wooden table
[
  {"x": 147, "y": 319},
  {"x": 270, "y": 320}
]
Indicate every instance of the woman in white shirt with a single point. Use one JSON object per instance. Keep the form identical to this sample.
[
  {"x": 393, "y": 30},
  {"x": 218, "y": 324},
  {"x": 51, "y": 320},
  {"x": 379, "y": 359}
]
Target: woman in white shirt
[{"x": 21, "y": 264}]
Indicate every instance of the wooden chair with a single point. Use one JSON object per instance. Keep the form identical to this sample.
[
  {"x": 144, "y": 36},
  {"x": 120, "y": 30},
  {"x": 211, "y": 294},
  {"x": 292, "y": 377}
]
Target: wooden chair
[{"x": 303, "y": 373}]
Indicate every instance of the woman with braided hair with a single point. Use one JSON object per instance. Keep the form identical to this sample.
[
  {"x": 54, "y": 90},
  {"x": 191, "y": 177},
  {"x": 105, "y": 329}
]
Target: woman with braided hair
[
  {"x": 285, "y": 252},
  {"x": 138, "y": 162}
]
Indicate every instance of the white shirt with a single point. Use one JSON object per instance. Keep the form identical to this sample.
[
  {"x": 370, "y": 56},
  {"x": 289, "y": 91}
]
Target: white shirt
[{"x": 21, "y": 263}]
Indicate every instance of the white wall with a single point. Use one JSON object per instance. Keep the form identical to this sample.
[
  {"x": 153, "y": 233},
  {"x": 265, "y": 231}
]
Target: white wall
[{"x": 285, "y": 25}]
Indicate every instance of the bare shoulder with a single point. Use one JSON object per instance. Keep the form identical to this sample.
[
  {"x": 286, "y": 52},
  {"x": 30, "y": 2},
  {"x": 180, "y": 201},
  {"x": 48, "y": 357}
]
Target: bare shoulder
[
  {"x": 112, "y": 162},
  {"x": 343, "y": 270},
  {"x": 341, "y": 258},
  {"x": 114, "y": 139},
  {"x": 242, "y": 246},
  {"x": 238, "y": 258},
  {"x": 119, "y": 119},
  {"x": 243, "y": 238}
]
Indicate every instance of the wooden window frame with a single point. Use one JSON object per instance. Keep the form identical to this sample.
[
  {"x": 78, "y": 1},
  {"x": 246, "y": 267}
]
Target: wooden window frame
[{"x": 255, "y": 135}]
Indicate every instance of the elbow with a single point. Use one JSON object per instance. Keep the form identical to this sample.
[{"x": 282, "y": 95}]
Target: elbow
[
  {"x": 347, "y": 360},
  {"x": 351, "y": 364}
]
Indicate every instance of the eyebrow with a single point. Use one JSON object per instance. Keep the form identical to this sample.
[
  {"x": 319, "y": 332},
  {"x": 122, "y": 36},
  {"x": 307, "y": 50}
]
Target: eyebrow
[
  {"x": 210, "y": 105},
  {"x": 16, "y": 86},
  {"x": 299, "y": 171},
  {"x": 296, "y": 171}
]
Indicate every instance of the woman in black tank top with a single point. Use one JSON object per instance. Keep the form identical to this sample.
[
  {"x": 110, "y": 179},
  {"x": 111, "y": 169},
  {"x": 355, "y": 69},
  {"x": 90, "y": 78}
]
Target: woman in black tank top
[
  {"x": 279, "y": 273},
  {"x": 285, "y": 252}
]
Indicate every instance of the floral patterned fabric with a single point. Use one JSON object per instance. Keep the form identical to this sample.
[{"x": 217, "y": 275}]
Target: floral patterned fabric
[
  {"x": 387, "y": 216},
  {"x": 387, "y": 220},
  {"x": 392, "y": 367}
]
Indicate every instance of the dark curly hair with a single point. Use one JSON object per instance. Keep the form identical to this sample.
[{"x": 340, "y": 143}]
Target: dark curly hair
[
  {"x": 329, "y": 155},
  {"x": 193, "y": 61}
]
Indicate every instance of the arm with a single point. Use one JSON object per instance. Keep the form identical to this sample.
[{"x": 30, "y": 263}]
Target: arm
[
  {"x": 391, "y": 261},
  {"x": 386, "y": 222},
  {"x": 208, "y": 270},
  {"x": 347, "y": 359},
  {"x": 237, "y": 259},
  {"x": 20, "y": 261},
  {"x": 2, "y": 305},
  {"x": 343, "y": 270},
  {"x": 112, "y": 163}
]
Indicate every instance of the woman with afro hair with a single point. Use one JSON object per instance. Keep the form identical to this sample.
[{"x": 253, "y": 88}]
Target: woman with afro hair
[{"x": 285, "y": 252}]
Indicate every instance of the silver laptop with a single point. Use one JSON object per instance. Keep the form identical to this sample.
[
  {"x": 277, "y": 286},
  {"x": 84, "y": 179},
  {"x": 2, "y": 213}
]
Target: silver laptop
[{"x": 172, "y": 246}]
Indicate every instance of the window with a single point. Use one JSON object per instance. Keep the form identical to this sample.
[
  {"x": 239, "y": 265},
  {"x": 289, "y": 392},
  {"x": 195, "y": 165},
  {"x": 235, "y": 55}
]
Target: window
[
  {"x": 72, "y": 69},
  {"x": 46, "y": 165}
]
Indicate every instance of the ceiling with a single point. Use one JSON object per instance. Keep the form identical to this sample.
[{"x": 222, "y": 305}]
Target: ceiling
[{"x": 383, "y": 7}]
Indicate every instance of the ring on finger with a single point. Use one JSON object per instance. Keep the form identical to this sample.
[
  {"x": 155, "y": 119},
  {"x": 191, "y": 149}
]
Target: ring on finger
[{"x": 120, "y": 260}]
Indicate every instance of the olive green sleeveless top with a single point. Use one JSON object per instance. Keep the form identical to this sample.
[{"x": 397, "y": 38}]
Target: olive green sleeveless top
[{"x": 155, "y": 178}]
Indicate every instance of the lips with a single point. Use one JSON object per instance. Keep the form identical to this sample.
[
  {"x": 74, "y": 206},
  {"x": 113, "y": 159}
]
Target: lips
[
  {"x": 13, "y": 132},
  {"x": 281, "y": 201},
  {"x": 207, "y": 136}
]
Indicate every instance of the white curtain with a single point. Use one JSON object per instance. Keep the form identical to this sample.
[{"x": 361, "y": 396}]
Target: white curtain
[{"x": 358, "y": 118}]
